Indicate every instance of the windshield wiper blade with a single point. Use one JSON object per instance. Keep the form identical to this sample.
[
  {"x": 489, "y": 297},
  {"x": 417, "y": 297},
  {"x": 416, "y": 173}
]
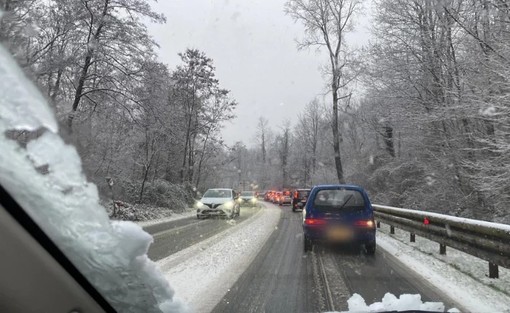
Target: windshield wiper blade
[{"x": 345, "y": 202}]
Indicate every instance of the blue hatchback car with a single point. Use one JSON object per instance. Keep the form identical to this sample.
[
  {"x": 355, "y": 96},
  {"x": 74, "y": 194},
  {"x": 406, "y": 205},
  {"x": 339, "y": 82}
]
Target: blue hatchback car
[{"x": 339, "y": 214}]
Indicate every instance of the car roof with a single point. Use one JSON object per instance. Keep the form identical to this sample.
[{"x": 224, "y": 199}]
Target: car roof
[
  {"x": 335, "y": 186},
  {"x": 220, "y": 189}
]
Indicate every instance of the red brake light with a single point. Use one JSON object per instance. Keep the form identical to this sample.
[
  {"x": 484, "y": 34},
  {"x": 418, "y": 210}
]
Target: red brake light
[
  {"x": 314, "y": 221},
  {"x": 368, "y": 223}
]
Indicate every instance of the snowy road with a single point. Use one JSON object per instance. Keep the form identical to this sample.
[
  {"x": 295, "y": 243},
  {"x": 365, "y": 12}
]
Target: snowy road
[
  {"x": 279, "y": 277},
  {"x": 282, "y": 279},
  {"x": 174, "y": 236}
]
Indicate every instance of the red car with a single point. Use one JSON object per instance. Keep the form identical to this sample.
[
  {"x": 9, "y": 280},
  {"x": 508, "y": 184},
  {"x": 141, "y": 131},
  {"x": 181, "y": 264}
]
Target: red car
[{"x": 276, "y": 197}]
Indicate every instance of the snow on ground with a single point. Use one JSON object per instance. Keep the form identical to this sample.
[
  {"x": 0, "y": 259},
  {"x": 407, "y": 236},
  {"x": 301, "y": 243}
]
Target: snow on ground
[
  {"x": 175, "y": 216},
  {"x": 460, "y": 276},
  {"x": 202, "y": 274}
]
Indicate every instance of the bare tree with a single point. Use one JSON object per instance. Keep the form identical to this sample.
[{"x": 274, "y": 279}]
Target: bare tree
[
  {"x": 326, "y": 24},
  {"x": 111, "y": 31},
  {"x": 262, "y": 129},
  {"x": 283, "y": 143},
  {"x": 204, "y": 105}
]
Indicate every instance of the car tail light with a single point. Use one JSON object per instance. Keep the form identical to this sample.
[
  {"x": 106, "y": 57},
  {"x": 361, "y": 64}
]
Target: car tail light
[
  {"x": 314, "y": 221},
  {"x": 363, "y": 223}
]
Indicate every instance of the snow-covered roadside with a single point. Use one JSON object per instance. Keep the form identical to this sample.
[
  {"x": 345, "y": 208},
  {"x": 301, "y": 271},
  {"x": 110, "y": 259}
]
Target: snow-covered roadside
[
  {"x": 175, "y": 216},
  {"x": 202, "y": 274},
  {"x": 472, "y": 292}
]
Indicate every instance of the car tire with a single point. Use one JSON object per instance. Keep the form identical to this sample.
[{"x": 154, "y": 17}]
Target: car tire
[
  {"x": 199, "y": 217},
  {"x": 293, "y": 209},
  {"x": 370, "y": 249},
  {"x": 307, "y": 244}
]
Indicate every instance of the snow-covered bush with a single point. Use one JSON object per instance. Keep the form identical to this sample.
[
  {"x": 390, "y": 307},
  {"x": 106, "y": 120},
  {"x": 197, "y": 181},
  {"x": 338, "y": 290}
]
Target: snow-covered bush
[{"x": 164, "y": 194}]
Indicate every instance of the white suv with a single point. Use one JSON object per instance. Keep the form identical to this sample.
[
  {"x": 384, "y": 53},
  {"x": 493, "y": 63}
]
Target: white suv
[{"x": 218, "y": 202}]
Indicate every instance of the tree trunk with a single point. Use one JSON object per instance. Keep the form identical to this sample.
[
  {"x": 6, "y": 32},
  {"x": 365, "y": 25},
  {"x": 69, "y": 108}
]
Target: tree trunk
[
  {"x": 85, "y": 68},
  {"x": 388, "y": 140},
  {"x": 200, "y": 162},
  {"x": 56, "y": 87},
  {"x": 185, "y": 154},
  {"x": 336, "y": 136},
  {"x": 79, "y": 89},
  {"x": 147, "y": 168},
  {"x": 263, "y": 149}
]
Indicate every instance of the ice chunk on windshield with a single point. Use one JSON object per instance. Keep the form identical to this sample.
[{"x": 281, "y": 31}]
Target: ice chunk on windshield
[
  {"x": 406, "y": 302},
  {"x": 113, "y": 256},
  {"x": 22, "y": 107}
]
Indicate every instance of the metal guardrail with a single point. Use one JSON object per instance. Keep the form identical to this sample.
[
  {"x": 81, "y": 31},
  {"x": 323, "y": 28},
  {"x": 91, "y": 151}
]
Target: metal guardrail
[{"x": 485, "y": 240}]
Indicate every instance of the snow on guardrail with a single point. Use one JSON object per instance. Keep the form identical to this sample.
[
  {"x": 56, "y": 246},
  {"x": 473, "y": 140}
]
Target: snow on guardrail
[{"x": 485, "y": 240}]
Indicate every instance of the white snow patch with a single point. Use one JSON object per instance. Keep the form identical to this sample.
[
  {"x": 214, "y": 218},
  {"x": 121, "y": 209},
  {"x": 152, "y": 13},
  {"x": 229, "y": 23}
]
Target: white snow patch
[
  {"x": 175, "y": 216},
  {"x": 489, "y": 111},
  {"x": 203, "y": 273},
  {"x": 472, "y": 294},
  {"x": 22, "y": 106},
  {"x": 406, "y": 302},
  {"x": 430, "y": 180}
]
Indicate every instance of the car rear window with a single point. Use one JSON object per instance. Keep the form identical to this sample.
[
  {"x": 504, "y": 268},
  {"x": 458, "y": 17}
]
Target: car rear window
[
  {"x": 303, "y": 193},
  {"x": 339, "y": 199}
]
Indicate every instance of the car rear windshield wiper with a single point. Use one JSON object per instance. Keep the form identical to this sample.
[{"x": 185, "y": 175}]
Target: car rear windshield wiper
[{"x": 345, "y": 202}]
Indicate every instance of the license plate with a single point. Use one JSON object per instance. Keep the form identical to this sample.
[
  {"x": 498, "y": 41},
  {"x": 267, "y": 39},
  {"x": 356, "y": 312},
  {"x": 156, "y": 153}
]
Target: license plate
[
  {"x": 300, "y": 204},
  {"x": 304, "y": 200},
  {"x": 339, "y": 234}
]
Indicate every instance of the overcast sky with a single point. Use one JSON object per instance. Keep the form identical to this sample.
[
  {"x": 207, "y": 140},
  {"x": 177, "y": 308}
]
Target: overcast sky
[{"x": 252, "y": 44}]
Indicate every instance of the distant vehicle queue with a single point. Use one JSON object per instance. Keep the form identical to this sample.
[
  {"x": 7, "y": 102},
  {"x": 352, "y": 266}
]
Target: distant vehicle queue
[
  {"x": 295, "y": 198},
  {"x": 332, "y": 214}
]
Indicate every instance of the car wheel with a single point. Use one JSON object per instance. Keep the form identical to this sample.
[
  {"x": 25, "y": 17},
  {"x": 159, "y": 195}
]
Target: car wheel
[
  {"x": 307, "y": 244},
  {"x": 370, "y": 249},
  {"x": 199, "y": 217},
  {"x": 293, "y": 209}
]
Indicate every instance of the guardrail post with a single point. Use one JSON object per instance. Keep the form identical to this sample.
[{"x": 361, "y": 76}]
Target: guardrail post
[
  {"x": 378, "y": 224},
  {"x": 392, "y": 229},
  {"x": 442, "y": 249},
  {"x": 493, "y": 270},
  {"x": 412, "y": 238}
]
